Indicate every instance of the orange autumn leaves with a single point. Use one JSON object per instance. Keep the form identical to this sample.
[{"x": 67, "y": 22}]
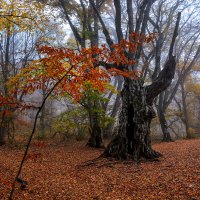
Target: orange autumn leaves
[
  {"x": 57, "y": 62},
  {"x": 82, "y": 67}
]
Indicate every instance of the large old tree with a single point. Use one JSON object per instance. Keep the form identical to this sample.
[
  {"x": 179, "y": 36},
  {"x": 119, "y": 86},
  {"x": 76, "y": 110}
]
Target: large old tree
[{"x": 133, "y": 137}]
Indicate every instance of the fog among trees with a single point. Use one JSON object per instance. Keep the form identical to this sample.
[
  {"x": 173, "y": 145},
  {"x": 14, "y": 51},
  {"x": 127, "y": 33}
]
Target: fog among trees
[{"x": 114, "y": 76}]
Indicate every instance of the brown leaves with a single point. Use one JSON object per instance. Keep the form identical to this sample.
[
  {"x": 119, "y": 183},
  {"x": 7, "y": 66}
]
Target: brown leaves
[{"x": 61, "y": 174}]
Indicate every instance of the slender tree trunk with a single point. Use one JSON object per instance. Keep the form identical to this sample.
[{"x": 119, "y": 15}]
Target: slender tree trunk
[
  {"x": 185, "y": 111},
  {"x": 163, "y": 121},
  {"x": 95, "y": 139},
  {"x": 4, "y": 128},
  {"x": 43, "y": 112},
  {"x": 42, "y": 123},
  {"x": 4, "y": 124},
  {"x": 115, "y": 109},
  {"x": 109, "y": 129},
  {"x": 95, "y": 35},
  {"x": 164, "y": 127}
]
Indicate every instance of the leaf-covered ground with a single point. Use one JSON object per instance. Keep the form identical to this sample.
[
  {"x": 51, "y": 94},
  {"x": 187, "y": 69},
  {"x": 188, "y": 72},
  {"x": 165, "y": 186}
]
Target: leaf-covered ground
[{"x": 63, "y": 172}]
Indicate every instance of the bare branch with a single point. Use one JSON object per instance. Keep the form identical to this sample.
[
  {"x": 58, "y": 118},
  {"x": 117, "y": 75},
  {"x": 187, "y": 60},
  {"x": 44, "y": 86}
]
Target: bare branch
[
  {"x": 174, "y": 36},
  {"x": 105, "y": 30},
  {"x": 130, "y": 15},
  {"x": 75, "y": 32},
  {"x": 182, "y": 77},
  {"x": 33, "y": 131},
  {"x": 118, "y": 20},
  {"x": 167, "y": 74}
]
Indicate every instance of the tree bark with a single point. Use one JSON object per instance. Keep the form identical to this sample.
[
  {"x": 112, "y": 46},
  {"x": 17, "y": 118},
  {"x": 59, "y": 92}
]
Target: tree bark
[
  {"x": 164, "y": 127},
  {"x": 95, "y": 139},
  {"x": 162, "y": 119},
  {"x": 5, "y": 121},
  {"x": 117, "y": 104},
  {"x": 185, "y": 111},
  {"x": 133, "y": 138},
  {"x": 4, "y": 128}
]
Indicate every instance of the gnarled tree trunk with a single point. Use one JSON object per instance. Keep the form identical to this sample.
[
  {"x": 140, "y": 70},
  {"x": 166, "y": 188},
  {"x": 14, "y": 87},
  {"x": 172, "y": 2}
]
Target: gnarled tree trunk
[{"x": 133, "y": 138}]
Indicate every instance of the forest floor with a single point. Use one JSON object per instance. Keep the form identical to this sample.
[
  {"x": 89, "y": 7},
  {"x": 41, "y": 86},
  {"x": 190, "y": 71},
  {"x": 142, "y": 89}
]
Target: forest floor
[{"x": 65, "y": 173}]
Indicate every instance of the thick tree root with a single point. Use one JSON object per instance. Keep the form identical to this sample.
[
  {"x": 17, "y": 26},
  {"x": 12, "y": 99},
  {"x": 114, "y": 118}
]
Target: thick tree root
[
  {"x": 92, "y": 145},
  {"x": 118, "y": 149}
]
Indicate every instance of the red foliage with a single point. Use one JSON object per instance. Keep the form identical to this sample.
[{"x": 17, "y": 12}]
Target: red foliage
[{"x": 84, "y": 67}]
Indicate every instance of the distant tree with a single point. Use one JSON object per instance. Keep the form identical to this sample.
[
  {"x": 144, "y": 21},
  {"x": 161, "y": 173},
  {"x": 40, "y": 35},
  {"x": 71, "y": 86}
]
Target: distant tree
[{"x": 185, "y": 41}]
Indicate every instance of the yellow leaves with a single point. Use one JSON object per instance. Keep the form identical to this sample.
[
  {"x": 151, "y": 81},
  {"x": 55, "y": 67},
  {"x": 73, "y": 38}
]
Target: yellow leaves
[
  {"x": 111, "y": 88},
  {"x": 66, "y": 65},
  {"x": 26, "y": 15},
  {"x": 193, "y": 87}
]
